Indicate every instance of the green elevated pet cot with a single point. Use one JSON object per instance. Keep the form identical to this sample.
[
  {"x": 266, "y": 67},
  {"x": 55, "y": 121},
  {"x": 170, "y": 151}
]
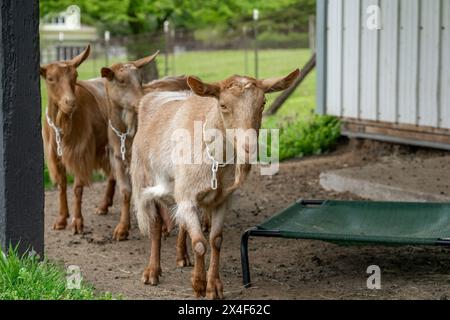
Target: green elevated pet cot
[{"x": 389, "y": 223}]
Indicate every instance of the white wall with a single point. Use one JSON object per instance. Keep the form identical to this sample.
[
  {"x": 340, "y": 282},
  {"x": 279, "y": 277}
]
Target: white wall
[{"x": 398, "y": 74}]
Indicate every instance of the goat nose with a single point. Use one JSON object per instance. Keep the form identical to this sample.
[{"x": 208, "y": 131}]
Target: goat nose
[{"x": 70, "y": 102}]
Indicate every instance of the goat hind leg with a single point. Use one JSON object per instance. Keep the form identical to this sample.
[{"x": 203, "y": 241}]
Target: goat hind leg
[
  {"x": 153, "y": 271},
  {"x": 206, "y": 220},
  {"x": 183, "y": 259}
]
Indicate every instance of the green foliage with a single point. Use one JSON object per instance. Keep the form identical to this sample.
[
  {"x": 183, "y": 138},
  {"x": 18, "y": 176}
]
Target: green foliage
[
  {"x": 25, "y": 277},
  {"x": 138, "y": 16},
  {"x": 306, "y": 137}
]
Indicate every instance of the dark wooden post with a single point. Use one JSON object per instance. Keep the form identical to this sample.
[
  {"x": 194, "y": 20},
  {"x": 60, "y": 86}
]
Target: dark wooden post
[{"x": 21, "y": 155}]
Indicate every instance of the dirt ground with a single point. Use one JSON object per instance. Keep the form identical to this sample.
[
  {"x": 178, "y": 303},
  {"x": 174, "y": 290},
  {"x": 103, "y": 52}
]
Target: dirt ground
[{"x": 280, "y": 268}]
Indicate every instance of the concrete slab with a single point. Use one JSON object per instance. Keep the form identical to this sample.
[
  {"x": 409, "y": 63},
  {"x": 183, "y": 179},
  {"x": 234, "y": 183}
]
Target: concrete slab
[{"x": 394, "y": 179}]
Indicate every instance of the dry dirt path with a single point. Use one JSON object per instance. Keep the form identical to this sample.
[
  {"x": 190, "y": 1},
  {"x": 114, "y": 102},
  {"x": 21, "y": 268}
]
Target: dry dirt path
[{"x": 281, "y": 268}]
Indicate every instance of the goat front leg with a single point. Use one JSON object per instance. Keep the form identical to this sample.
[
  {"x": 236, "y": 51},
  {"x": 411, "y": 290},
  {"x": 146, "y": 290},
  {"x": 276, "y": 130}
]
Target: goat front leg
[
  {"x": 123, "y": 179},
  {"x": 107, "y": 201},
  {"x": 61, "y": 180},
  {"x": 214, "y": 289},
  {"x": 77, "y": 221},
  {"x": 153, "y": 271},
  {"x": 188, "y": 217}
]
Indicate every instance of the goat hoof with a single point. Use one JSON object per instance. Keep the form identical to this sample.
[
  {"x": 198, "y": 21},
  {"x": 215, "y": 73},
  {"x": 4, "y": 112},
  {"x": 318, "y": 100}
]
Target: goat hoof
[
  {"x": 101, "y": 211},
  {"x": 60, "y": 224},
  {"x": 184, "y": 261},
  {"x": 214, "y": 289},
  {"x": 151, "y": 276},
  {"x": 199, "y": 286},
  {"x": 121, "y": 232},
  {"x": 77, "y": 225}
]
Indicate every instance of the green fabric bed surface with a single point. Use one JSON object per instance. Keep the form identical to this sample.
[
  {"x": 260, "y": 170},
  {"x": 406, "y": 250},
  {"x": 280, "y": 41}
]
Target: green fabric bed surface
[{"x": 365, "y": 221}]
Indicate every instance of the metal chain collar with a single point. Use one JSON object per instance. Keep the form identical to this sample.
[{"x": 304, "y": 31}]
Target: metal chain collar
[
  {"x": 215, "y": 164},
  {"x": 123, "y": 137},
  {"x": 58, "y": 133}
]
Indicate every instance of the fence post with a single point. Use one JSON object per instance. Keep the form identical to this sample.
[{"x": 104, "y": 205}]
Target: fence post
[
  {"x": 21, "y": 154},
  {"x": 172, "y": 39},
  {"x": 166, "y": 47},
  {"x": 255, "y": 30},
  {"x": 107, "y": 37}
]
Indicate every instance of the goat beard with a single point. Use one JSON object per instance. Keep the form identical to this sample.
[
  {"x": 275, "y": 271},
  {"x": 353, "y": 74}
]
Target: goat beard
[
  {"x": 64, "y": 122},
  {"x": 130, "y": 120},
  {"x": 240, "y": 174}
]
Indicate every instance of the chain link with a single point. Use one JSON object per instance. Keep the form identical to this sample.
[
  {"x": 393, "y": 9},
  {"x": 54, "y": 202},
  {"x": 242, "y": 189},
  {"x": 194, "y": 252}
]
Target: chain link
[
  {"x": 58, "y": 133},
  {"x": 123, "y": 138},
  {"x": 215, "y": 164}
]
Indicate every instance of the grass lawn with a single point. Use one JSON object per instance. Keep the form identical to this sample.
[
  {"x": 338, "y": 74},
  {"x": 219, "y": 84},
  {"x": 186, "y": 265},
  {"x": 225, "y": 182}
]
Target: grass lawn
[
  {"x": 24, "y": 277},
  {"x": 301, "y": 132}
]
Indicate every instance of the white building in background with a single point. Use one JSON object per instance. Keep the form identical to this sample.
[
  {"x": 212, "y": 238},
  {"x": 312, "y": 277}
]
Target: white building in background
[
  {"x": 62, "y": 35},
  {"x": 384, "y": 68}
]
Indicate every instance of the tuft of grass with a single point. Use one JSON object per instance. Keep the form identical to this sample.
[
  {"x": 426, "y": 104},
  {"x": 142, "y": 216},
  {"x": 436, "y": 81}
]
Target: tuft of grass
[{"x": 26, "y": 277}]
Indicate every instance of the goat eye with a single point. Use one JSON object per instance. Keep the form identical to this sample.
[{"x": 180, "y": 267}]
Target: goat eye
[{"x": 49, "y": 79}]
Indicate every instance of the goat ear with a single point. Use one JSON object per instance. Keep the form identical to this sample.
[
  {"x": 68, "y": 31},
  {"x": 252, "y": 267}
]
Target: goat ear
[
  {"x": 107, "y": 73},
  {"x": 43, "y": 71},
  {"x": 279, "y": 84},
  {"x": 144, "y": 61},
  {"x": 76, "y": 61},
  {"x": 203, "y": 89}
]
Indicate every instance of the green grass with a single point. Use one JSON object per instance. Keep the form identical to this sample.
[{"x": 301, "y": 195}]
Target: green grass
[
  {"x": 302, "y": 132},
  {"x": 25, "y": 277}
]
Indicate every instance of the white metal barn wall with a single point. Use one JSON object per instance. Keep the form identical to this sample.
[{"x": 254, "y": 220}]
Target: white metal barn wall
[{"x": 399, "y": 74}]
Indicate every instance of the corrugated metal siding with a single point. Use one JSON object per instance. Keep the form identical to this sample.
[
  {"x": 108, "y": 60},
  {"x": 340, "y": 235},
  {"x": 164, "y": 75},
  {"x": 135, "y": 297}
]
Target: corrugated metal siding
[
  {"x": 444, "y": 95},
  {"x": 389, "y": 46},
  {"x": 399, "y": 74},
  {"x": 334, "y": 58}
]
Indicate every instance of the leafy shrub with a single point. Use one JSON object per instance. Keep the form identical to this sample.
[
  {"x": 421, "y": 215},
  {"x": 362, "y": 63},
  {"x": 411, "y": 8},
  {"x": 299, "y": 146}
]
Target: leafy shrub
[{"x": 300, "y": 138}]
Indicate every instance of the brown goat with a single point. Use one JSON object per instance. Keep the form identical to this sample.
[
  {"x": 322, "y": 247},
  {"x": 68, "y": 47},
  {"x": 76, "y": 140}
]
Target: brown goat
[
  {"x": 124, "y": 90},
  {"x": 75, "y": 135},
  {"x": 235, "y": 103}
]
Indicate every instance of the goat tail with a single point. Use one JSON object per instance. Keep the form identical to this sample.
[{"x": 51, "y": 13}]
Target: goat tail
[
  {"x": 144, "y": 206},
  {"x": 144, "y": 216}
]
